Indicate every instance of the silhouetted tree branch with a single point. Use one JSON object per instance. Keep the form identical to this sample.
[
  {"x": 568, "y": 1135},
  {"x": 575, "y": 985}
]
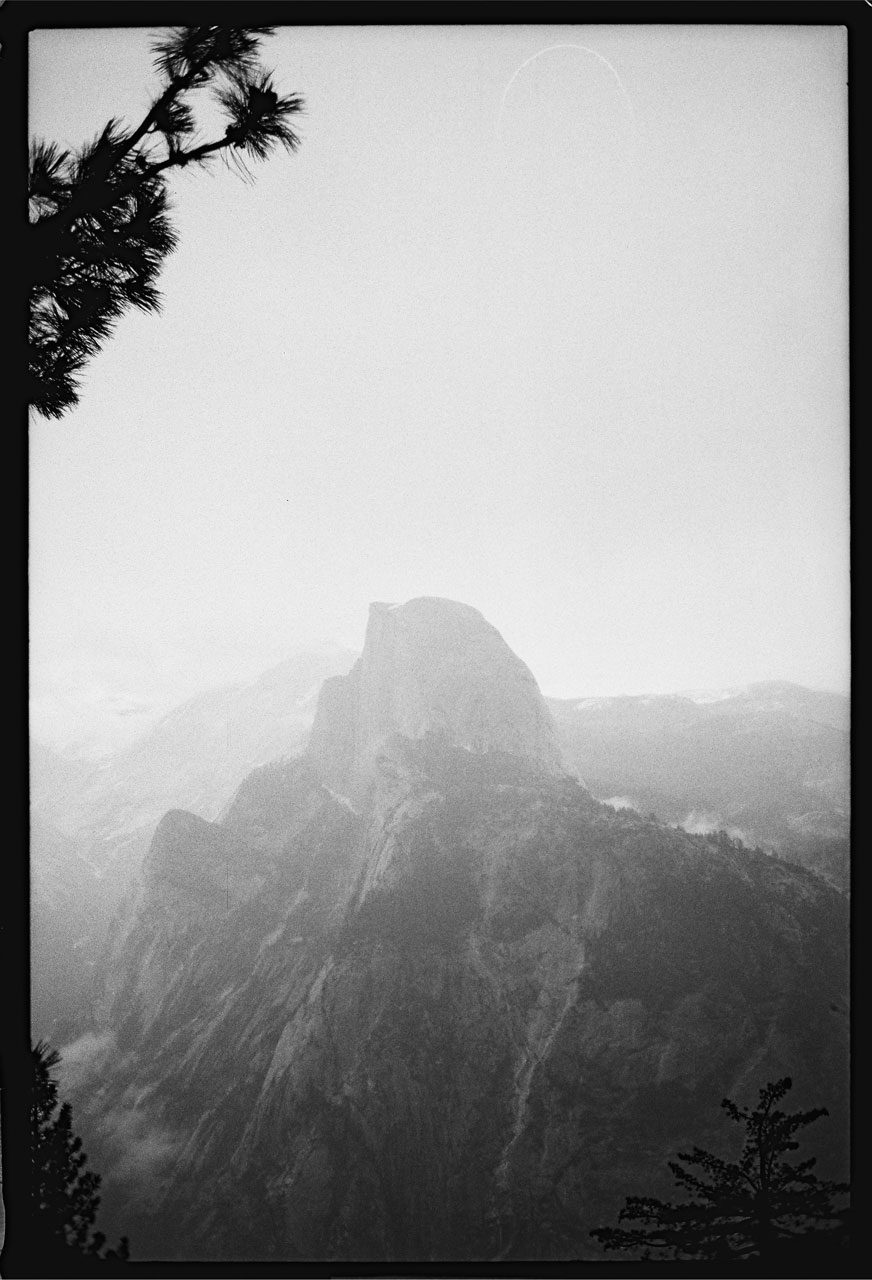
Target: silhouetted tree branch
[{"x": 100, "y": 229}]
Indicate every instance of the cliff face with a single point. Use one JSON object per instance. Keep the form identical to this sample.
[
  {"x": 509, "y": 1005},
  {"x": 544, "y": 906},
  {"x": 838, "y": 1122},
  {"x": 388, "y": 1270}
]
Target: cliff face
[
  {"x": 67, "y": 915},
  {"x": 419, "y": 996},
  {"x": 430, "y": 667},
  {"x": 106, "y": 812}
]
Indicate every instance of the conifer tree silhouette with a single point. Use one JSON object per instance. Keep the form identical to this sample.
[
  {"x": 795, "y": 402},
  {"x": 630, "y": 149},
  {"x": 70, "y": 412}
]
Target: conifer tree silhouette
[
  {"x": 64, "y": 1194},
  {"x": 761, "y": 1206},
  {"x": 99, "y": 226}
]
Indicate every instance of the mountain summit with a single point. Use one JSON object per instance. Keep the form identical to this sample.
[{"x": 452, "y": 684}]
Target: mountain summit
[{"x": 430, "y": 668}]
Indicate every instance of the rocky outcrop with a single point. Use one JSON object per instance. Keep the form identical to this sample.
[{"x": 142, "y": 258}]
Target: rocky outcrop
[
  {"x": 194, "y": 759},
  {"x": 430, "y": 667}
]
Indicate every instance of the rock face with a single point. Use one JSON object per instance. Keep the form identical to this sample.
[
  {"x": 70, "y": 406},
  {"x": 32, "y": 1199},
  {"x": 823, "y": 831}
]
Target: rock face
[
  {"x": 68, "y": 917},
  {"x": 419, "y": 996},
  {"x": 430, "y": 667},
  {"x": 194, "y": 758}
]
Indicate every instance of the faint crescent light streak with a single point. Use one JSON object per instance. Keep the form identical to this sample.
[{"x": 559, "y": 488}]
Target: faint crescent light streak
[{"x": 551, "y": 49}]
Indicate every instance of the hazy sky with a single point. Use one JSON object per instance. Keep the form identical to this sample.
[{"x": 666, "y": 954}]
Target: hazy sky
[{"x": 549, "y": 320}]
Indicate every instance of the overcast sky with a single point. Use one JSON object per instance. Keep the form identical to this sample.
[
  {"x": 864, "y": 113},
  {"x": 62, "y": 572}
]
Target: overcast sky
[{"x": 549, "y": 320}]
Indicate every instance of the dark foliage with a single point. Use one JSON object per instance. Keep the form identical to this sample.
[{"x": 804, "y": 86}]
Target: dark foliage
[
  {"x": 64, "y": 1194},
  {"x": 100, "y": 229},
  {"x": 762, "y": 1206}
]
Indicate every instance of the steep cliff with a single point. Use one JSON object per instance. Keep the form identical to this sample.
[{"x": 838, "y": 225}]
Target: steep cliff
[
  {"x": 105, "y": 812},
  {"x": 68, "y": 917},
  {"x": 419, "y": 995},
  {"x": 430, "y": 667}
]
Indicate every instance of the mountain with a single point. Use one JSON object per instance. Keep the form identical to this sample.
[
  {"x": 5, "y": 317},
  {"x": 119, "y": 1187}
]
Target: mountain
[
  {"x": 194, "y": 758},
  {"x": 69, "y": 919},
  {"x": 430, "y": 667},
  {"x": 770, "y": 763},
  {"x": 418, "y": 995}
]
